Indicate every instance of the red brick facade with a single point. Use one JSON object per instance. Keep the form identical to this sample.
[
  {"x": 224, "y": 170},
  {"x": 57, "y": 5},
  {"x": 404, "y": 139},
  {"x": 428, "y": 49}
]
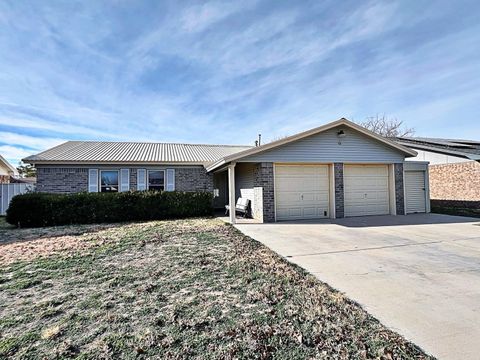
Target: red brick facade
[{"x": 459, "y": 181}]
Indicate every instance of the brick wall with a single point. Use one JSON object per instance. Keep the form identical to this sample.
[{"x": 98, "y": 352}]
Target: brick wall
[
  {"x": 263, "y": 177},
  {"x": 193, "y": 179},
  {"x": 62, "y": 180},
  {"x": 72, "y": 180},
  {"x": 459, "y": 181},
  {"x": 399, "y": 190}
]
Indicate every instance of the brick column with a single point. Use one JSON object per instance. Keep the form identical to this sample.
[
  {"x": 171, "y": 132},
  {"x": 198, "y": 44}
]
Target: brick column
[
  {"x": 339, "y": 191},
  {"x": 263, "y": 177},
  {"x": 399, "y": 193},
  {"x": 133, "y": 179}
]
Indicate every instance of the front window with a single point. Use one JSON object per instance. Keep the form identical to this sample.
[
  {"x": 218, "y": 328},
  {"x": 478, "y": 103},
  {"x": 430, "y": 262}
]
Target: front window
[
  {"x": 156, "y": 180},
  {"x": 109, "y": 181}
]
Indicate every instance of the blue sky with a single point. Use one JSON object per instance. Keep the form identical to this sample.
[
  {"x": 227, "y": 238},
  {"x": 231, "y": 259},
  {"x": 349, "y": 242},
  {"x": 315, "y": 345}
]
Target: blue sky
[{"x": 222, "y": 72}]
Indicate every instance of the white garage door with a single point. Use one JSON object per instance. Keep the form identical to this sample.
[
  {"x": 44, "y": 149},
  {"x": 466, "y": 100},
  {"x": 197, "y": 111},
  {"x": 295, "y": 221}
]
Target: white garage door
[
  {"x": 415, "y": 191},
  {"x": 301, "y": 192},
  {"x": 366, "y": 190}
]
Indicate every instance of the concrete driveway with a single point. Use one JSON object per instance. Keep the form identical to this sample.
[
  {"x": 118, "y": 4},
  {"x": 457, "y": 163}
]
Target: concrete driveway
[{"x": 418, "y": 274}]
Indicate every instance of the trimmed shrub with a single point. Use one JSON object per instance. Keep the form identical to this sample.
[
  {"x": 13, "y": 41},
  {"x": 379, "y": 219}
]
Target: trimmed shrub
[
  {"x": 456, "y": 207},
  {"x": 43, "y": 209}
]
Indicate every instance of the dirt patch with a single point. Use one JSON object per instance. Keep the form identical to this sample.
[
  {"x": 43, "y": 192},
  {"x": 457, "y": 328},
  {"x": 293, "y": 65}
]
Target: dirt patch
[{"x": 30, "y": 244}]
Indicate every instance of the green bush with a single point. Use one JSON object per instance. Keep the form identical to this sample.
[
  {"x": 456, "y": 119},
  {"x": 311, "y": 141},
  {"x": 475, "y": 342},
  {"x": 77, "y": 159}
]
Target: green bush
[
  {"x": 42, "y": 209},
  {"x": 456, "y": 207}
]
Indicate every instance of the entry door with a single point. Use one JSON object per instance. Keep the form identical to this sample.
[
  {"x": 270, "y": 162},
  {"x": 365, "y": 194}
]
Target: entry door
[
  {"x": 366, "y": 190},
  {"x": 301, "y": 191},
  {"x": 415, "y": 192}
]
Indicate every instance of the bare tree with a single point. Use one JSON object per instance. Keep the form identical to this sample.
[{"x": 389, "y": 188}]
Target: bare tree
[
  {"x": 387, "y": 127},
  {"x": 279, "y": 137}
]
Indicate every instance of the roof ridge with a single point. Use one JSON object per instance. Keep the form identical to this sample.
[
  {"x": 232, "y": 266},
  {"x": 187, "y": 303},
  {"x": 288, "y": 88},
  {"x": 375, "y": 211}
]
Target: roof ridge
[
  {"x": 436, "y": 138},
  {"x": 154, "y": 142}
]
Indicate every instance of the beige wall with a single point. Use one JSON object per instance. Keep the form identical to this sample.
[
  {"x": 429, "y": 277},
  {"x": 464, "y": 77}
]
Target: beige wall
[
  {"x": 436, "y": 158},
  {"x": 4, "y": 170},
  {"x": 459, "y": 181}
]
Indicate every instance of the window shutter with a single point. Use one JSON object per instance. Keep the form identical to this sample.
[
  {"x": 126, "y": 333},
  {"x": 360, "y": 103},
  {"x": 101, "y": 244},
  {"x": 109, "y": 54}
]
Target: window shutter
[
  {"x": 92, "y": 180},
  {"x": 141, "y": 179},
  {"x": 124, "y": 179},
  {"x": 170, "y": 180}
]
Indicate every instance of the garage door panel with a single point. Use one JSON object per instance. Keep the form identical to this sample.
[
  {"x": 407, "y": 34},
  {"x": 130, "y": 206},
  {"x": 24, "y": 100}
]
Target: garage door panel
[
  {"x": 366, "y": 170},
  {"x": 310, "y": 211},
  {"x": 380, "y": 195},
  {"x": 301, "y": 192},
  {"x": 290, "y": 198},
  {"x": 323, "y": 197},
  {"x": 359, "y": 197},
  {"x": 366, "y": 190}
]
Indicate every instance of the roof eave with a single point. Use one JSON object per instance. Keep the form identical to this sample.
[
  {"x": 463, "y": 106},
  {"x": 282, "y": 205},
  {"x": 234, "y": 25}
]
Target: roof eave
[
  {"x": 445, "y": 151},
  {"x": 101, "y": 163},
  {"x": 216, "y": 165}
]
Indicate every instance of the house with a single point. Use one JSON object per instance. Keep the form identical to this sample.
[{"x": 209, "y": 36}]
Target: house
[
  {"x": 336, "y": 170},
  {"x": 23, "y": 180},
  {"x": 454, "y": 166},
  {"x": 6, "y": 171}
]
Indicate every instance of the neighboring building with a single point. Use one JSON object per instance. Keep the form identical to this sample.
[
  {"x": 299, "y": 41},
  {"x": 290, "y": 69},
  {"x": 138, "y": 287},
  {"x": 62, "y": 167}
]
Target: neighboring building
[
  {"x": 23, "y": 180},
  {"x": 454, "y": 166},
  {"x": 6, "y": 171},
  {"x": 336, "y": 170}
]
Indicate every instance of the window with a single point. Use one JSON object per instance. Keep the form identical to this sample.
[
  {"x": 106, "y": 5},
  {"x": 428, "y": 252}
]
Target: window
[
  {"x": 156, "y": 180},
  {"x": 109, "y": 181}
]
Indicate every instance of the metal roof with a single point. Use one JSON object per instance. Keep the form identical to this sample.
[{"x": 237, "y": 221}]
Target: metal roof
[
  {"x": 133, "y": 152},
  {"x": 469, "y": 149}
]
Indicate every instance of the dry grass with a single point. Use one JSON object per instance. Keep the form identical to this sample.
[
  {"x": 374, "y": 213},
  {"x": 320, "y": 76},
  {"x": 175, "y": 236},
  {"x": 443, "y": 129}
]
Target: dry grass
[{"x": 173, "y": 289}]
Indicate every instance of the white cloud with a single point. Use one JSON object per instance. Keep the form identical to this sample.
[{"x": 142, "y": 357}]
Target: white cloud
[
  {"x": 200, "y": 17},
  {"x": 31, "y": 142},
  {"x": 47, "y": 126},
  {"x": 14, "y": 154},
  {"x": 371, "y": 20}
]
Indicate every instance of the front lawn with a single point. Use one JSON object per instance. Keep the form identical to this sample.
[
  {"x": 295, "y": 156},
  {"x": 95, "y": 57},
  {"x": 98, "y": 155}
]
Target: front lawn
[{"x": 172, "y": 289}]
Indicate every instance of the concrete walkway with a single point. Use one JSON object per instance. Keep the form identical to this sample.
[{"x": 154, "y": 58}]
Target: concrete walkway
[{"x": 418, "y": 274}]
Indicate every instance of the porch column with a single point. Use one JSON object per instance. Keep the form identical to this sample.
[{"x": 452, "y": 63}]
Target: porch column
[{"x": 231, "y": 192}]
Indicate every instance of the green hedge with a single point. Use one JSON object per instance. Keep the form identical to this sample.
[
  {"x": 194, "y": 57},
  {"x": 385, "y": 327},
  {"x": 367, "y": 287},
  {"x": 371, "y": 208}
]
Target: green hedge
[
  {"x": 456, "y": 207},
  {"x": 42, "y": 209}
]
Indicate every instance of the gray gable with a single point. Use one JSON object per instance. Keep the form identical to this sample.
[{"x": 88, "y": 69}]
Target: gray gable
[{"x": 328, "y": 147}]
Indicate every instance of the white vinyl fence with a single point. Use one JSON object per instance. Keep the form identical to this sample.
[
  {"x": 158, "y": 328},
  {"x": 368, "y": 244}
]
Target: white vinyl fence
[{"x": 8, "y": 191}]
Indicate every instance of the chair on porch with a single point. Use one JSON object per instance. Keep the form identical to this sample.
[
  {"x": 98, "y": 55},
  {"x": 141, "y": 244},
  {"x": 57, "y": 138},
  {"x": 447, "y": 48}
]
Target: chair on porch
[{"x": 242, "y": 206}]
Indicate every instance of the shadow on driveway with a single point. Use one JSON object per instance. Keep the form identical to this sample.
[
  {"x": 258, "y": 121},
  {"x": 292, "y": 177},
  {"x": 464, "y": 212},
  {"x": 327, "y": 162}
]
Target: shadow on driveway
[{"x": 387, "y": 220}]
